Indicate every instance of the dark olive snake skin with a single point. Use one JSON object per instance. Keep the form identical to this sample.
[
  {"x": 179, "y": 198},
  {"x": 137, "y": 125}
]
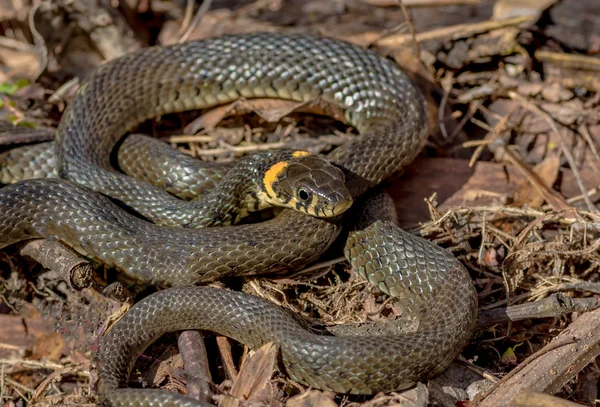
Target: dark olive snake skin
[
  {"x": 389, "y": 113},
  {"x": 139, "y": 156}
]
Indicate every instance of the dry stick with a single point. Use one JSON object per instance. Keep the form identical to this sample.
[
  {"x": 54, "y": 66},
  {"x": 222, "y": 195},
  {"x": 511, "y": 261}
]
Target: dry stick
[
  {"x": 554, "y": 198},
  {"x": 551, "y": 307},
  {"x": 421, "y": 3},
  {"x": 550, "y": 368},
  {"x": 41, "y": 50},
  {"x": 187, "y": 16},
  {"x": 583, "y": 130},
  {"x": 57, "y": 257},
  {"x": 195, "y": 360},
  {"x": 569, "y": 60},
  {"x": 228, "y": 149},
  {"x": 530, "y": 398},
  {"x": 15, "y": 45},
  {"x": 553, "y": 124},
  {"x": 11, "y": 135},
  {"x": 453, "y": 32},
  {"x": 228, "y": 363},
  {"x": 204, "y": 7},
  {"x": 577, "y": 286},
  {"x": 411, "y": 26}
]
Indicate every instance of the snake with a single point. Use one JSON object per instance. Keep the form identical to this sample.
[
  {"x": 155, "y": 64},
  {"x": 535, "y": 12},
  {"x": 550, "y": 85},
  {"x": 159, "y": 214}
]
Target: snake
[{"x": 89, "y": 208}]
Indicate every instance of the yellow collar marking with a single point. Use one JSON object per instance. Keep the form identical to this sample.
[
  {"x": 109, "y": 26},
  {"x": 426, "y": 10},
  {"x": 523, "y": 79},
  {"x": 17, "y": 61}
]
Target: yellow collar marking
[
  {"x": 272, "y": 175},
  {"x": 300, "y": 153}
]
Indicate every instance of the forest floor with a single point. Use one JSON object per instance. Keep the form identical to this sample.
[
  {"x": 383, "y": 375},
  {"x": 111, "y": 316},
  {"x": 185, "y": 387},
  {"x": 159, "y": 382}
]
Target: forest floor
[{"x": 509, "y": 182}]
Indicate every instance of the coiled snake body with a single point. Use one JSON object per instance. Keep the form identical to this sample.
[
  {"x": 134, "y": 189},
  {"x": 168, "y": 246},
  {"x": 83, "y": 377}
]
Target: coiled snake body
[{"x": 377, "y": 98}]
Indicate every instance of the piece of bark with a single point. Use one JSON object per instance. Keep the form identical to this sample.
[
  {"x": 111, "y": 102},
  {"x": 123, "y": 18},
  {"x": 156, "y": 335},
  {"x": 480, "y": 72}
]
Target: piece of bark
[
  {"x": 195, "y": 360},
  {"x": 312, "y": 398},
  {"x": 552, "y": 306},
  {"x": 59, "y": 258},
  {"x": 18, "y": 335},
  {"x": 226, "y": 356},
  {"x": 530, "y": 398},
  {"x": 549, "y": 369},
  {"x": 254, "y": 375}
]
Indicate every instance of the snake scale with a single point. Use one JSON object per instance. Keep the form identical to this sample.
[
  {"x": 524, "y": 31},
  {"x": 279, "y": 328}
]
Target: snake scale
[{"x": 377, "y": 98}]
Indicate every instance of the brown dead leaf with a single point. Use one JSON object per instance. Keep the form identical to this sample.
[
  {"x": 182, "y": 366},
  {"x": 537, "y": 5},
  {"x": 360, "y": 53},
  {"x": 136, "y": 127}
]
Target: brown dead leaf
[
  {"x": 18, "y": 334},
  {"x": 423, "y": 178},
  {"x": 547, "y": 172},
  {"x": 19, "y": 63},
  {"x": 50, "y": 346},
  {"x": 163, "y": 366},
  {"x": 489, "y": 185},
  {"x": 313, "y": 398},
  {"x": 254, "y": 376}
]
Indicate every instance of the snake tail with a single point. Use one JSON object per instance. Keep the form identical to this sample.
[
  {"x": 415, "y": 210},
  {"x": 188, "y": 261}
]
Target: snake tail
[{"x": 418, "y": 271}]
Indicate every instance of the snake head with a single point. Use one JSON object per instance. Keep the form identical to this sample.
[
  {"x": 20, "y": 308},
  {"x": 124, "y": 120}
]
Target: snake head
[{"x": 307, "y": 183}]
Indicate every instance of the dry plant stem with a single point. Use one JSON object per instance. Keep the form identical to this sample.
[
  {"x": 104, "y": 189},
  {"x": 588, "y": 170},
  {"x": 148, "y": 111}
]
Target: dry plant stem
[
  {"x": 11, "y": 135},
  {"x": 554, "y": 199},
  {"x": 187, "y": 16},
  {"x": 413, "y": 32},
  {"x": 204, "y": 7},
  {"x": 228, "y": 149},
  {"x": 227, "y": 358},
  {"x": 530, "y": 398},
  {"x": 453, "y": 32},
  {"x": 583, "y": 130},
  {"x": 421, "y": 3},
  {"x": 565, "y": 150},
  {"x": 193, "y": 352},
  {"x": 56, "y": 257},
  {"x": 569, "y": 60},
  {"x": 66, "y": 90},
  {"x": 195, "y": 138},
  {"x": 15, "y": 45},
  {"x": 41, "y": 50},
  {"x": 549, "y": 369},
  {"x": 553, "y": 306},
  {"x": 579, "y": 286}
]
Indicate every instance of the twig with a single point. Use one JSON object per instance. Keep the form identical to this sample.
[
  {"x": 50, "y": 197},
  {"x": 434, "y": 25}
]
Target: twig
[
  {"x": 553, "y": 124},
  {"x": 453, "y": 32},
  {"x": 15, "y": 45},
  {"x": 204, "y": 7},
  {"x": 554, "y": 198},
  {"x": 553, "y": 306},
  {"x": 193, "y": 352},
  {"x": 67, "y": 263},
  {"x": 228, "y": 149},
  {"x": 550, "y": 368},
  {"x": 411, "y": 26},
  {"x": 421, "y": 3},
  {"x": 187, "y": 16},
  {"x": 572, "y": 61},
  {"x": 530, "y": 398},
  {"x": 194, "y": 138},
  {"x": 228, "y": 363},
  {"x": 12, "y": 135}
]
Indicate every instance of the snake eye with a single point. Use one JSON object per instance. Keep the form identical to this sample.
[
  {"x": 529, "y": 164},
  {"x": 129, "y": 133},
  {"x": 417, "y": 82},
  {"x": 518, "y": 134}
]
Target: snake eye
[{"x": 303, "y": 194}]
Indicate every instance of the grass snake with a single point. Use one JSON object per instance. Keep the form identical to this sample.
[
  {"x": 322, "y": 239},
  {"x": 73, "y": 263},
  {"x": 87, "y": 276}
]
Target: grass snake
[{"x": 377, "y": 98}]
